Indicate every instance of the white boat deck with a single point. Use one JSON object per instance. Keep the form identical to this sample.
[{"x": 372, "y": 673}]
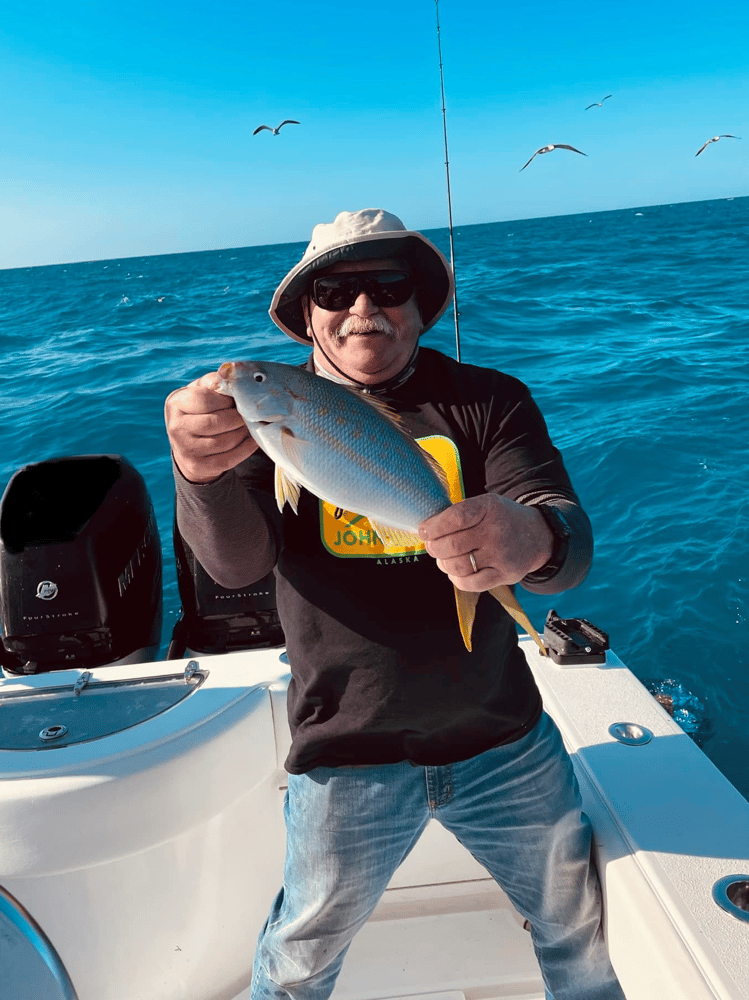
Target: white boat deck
[
  {"x": 150, "y": 856},
  {"x": 462, "y": 939},
  {"x": 668, "y": 826}
]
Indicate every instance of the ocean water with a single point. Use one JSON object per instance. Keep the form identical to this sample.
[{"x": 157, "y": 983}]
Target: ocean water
[{"x": 631, "y": 328}]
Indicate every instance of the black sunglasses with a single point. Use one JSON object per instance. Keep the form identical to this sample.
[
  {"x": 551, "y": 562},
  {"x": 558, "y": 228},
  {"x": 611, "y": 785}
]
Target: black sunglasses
[{"x": 340, "y": 291}]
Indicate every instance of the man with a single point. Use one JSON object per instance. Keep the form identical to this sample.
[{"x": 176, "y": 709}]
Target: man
[{"x": 393, "y": 721}]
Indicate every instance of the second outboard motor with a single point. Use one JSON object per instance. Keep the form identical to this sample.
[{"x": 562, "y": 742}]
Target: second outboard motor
[
  {"x": 80, "y": 566},
  {"x": 217, "y": 620}
]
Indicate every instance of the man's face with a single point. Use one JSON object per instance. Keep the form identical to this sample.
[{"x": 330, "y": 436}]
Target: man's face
[{"x": 367, "y": 342}]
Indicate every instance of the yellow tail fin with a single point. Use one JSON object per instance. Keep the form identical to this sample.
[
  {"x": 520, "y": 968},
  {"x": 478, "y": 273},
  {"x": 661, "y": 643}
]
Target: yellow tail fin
[
  {"x": 512, "y": 606},
  {"x": 466, "y": 602}
]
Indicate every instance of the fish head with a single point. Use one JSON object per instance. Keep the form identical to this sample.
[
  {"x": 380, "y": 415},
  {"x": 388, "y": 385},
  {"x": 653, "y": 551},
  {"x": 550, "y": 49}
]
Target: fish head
[{"x": 260, "y": 394}]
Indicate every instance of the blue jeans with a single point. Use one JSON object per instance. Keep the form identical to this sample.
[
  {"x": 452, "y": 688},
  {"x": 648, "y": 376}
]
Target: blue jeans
[{"x": 516, "y": 808}]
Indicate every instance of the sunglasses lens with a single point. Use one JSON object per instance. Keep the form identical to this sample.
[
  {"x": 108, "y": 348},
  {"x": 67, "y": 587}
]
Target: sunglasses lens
[
  {"x": 384, "y": 288},
  {"x": 336, "y": 291},
  {"x": 389, "y": 288}
]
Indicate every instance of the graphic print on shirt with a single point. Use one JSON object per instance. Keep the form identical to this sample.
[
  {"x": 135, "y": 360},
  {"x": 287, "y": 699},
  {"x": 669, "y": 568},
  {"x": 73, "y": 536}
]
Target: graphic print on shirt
[{"x": 349, "y": 535}]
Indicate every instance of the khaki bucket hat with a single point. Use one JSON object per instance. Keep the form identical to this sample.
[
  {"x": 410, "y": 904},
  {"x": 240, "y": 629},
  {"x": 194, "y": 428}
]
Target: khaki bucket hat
[{"x": 370, "y": 234}]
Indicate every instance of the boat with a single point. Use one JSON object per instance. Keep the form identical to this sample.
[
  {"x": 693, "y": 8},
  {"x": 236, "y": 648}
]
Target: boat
[{"x": 141, "y": 801}]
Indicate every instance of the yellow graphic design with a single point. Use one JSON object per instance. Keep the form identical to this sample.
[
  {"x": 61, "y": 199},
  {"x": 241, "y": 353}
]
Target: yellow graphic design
[{"x": 350, "y": 535}]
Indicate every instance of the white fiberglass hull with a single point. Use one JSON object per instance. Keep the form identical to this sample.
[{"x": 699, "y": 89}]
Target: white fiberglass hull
[{"x": 148, "y": 856}]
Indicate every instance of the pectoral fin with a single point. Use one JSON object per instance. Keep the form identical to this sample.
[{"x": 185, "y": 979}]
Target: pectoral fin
[
  {"x": 512, "y": 606},
  {"x": 287, "y": 489},
  {"x": 466, "y": 602}
]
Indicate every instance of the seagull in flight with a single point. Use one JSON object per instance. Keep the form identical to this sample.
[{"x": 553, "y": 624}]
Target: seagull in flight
[
  {"x": 275, "y": 131},
  {"x": 600, "y": 103},
  {"x": 715, "y": 139},
  {"x": 548, "y": 149}
]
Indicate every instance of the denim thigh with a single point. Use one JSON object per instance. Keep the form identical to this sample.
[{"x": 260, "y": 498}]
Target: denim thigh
[
  {"x": 517, "y": 808},
  {"x": 348, "y": 830}
]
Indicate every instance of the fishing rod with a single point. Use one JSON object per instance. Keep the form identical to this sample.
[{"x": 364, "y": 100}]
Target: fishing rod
[{"x": 447, "y": 173}]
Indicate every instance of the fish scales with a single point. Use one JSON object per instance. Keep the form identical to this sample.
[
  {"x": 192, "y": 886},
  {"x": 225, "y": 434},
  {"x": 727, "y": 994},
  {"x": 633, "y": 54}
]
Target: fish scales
[
  {"x": 350, "y": 450},
  {"x": 337, "y": 443},
  {"x": 385, "y": 457}
]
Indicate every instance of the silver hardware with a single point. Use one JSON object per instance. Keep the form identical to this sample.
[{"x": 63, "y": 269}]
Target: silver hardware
[
  {"x": 732, "y": 895},
  {"x": 193, "y": 671},
  {"x": 128, "y": 683},
  {"x": 630, "y": 733},
  {"x": 53, "y": 732},
  {"x": 82, "y": 682}
]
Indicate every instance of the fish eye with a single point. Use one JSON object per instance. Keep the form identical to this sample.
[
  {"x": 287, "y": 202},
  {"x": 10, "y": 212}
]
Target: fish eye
[{"x": 259, "y": 376}]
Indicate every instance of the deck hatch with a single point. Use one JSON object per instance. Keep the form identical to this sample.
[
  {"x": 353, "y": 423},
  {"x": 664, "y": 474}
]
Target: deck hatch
[{"x": 99, "y": 709}]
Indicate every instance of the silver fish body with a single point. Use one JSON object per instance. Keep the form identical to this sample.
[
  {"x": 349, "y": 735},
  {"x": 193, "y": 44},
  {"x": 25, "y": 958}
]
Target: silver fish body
[
  {"x": 341, "y": 445},
  {"x": 348, "y": 449}
]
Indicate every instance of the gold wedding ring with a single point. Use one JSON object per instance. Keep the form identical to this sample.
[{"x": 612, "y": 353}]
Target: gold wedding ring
[{"x": 473, "y": 562}]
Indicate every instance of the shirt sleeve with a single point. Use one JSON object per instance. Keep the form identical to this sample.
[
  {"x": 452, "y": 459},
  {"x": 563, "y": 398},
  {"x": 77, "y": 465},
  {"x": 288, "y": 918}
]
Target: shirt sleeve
[
  {"x": 230, "y": 524},
  {"x": 523, "y": 464}
]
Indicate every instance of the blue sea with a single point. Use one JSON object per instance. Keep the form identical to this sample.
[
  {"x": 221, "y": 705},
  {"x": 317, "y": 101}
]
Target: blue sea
[{"x": 631, "y": 327}]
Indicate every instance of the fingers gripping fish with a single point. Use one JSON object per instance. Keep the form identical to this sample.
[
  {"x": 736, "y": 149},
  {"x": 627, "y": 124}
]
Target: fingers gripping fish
[{"x": 375, "y": 469}]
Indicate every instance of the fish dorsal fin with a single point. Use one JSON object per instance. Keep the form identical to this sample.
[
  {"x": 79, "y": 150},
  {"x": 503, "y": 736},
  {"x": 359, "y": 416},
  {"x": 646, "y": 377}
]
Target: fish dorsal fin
[
  {"x": 386, "y": 410},
  {"x": 287, "y": 489},
  {"x": 383, "y": 408},
  {"x": 395, "y": 418}
]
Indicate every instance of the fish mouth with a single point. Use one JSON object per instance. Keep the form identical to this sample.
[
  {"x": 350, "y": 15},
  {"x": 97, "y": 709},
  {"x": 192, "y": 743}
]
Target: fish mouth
[{"x": 227, "y": 370}]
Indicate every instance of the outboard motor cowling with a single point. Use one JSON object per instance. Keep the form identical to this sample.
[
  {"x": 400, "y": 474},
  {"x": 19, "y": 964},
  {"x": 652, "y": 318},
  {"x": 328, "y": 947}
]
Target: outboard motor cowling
[
  {"x": 80, "y": 566},
  {"x": 217, "y": 620}
]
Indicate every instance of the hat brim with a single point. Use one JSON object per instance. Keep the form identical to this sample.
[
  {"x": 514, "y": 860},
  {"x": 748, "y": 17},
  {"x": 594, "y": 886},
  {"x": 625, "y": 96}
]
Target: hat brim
[{"x": 434, "y": 277}]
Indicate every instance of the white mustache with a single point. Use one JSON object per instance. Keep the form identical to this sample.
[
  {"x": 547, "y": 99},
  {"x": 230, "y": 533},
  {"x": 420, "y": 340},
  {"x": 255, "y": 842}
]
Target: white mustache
[{"x": 354, "y": 324}]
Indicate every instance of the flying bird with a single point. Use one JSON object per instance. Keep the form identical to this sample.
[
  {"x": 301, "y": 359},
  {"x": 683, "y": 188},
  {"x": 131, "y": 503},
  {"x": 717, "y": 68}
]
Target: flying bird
[
  {"x": 548, "y": 149},
  {"x": 275, "y": 131},
  {"x": 715, "y": 139},
  {"x": 600, "y": 103}
]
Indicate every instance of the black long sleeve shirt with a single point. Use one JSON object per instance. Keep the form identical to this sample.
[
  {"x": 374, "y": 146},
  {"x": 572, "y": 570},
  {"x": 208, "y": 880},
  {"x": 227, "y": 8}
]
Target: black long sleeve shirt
[{"x": 379, "y": 670}]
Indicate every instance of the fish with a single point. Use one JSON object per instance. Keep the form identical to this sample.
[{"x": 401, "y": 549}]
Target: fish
[{"x": 353, "y": 451}]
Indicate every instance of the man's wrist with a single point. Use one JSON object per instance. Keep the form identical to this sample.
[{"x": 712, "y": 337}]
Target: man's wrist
[
  {"x": 560, "y": 529},
  {"x": 194, "y": 482}
]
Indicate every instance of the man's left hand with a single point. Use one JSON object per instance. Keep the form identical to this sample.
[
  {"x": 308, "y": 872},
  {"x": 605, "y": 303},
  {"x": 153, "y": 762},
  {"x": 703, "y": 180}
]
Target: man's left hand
[{"x": 507, "y": 540}]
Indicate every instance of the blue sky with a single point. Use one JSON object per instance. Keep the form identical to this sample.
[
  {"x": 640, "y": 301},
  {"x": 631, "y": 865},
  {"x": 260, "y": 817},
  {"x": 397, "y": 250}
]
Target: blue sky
[{"x": 127, "y": 128}]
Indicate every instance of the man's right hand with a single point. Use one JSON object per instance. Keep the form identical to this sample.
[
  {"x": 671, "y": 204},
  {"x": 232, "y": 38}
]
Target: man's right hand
[{"x": 207, "y": 434}]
